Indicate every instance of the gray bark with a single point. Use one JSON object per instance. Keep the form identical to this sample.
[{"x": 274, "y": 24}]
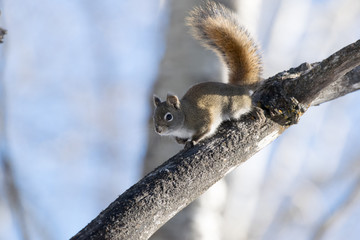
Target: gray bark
[{"x": 148, "y": 204}]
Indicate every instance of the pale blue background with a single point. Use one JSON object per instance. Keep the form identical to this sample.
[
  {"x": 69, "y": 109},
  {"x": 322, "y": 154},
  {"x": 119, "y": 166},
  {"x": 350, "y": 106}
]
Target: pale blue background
[{"x": 78, "y": 75}]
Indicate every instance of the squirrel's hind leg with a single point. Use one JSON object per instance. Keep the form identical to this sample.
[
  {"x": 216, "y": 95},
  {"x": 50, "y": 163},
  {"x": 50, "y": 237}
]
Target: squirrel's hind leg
[{"x": 204, "y": 132}]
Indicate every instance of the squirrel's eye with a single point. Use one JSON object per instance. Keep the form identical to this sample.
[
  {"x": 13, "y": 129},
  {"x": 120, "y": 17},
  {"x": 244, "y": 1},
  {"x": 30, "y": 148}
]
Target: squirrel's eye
[{"x": 168, "y": 117}]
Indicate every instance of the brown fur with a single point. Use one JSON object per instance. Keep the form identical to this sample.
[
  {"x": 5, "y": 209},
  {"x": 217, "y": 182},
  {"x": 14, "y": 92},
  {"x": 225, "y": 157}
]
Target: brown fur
[{"x": 218, "y": 29}]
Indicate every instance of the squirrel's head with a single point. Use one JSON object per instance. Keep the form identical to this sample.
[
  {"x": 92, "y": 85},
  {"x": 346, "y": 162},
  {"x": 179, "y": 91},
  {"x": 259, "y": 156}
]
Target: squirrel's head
[{"x": 168, "y": 116}]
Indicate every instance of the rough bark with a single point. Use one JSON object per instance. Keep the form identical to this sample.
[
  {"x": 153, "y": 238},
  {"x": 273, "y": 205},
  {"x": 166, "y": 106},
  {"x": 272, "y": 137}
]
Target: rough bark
[{"x": 148, "y": 204}]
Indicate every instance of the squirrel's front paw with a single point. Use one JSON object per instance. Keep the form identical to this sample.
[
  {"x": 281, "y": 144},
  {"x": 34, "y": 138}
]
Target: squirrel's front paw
[{"x": 189, "y": 144}]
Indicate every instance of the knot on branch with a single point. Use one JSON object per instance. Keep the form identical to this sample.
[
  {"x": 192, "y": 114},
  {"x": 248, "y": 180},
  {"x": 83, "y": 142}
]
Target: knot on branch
[
  {"x": 277, "y": 103},
  {"x": 281, "y": 108}
]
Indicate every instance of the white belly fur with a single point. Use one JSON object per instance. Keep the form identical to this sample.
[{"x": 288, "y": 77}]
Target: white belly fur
[
  {"x": 183, "y": 133},
  {"x": 219, "y": 119}
]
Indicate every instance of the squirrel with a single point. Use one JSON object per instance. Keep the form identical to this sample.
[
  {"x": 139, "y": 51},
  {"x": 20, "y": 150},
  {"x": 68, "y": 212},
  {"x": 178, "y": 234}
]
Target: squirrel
[{"x": 206, "y": 105}]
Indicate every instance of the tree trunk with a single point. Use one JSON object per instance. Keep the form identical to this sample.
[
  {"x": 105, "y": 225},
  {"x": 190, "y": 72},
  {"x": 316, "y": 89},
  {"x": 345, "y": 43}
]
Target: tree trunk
[{"x": 185, "y": 63}]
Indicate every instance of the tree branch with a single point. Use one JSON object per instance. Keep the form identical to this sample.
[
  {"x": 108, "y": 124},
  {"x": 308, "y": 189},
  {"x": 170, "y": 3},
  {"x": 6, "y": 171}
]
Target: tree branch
[{"x": 148, "y": 204}]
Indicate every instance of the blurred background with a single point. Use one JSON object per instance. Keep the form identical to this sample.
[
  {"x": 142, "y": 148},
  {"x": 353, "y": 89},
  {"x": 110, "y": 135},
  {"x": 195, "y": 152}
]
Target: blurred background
[{"x": 76, "y": 81}]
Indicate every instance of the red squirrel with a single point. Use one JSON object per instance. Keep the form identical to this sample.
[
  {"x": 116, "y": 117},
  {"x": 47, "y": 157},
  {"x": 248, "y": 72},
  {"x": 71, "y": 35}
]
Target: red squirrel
[{"x": 206, "y": 105}]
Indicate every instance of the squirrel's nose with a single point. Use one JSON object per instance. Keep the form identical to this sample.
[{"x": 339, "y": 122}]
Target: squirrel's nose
[{"x": 158, "y": 129}]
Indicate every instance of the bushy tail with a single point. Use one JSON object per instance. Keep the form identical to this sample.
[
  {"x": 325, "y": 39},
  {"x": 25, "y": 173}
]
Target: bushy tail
[{"x": 218, "y": 29}]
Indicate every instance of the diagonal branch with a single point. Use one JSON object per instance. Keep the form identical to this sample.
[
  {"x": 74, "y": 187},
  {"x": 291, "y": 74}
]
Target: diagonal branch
[
  {"x": 318, "y": 80},
  {"x": 148, "y": 204}
]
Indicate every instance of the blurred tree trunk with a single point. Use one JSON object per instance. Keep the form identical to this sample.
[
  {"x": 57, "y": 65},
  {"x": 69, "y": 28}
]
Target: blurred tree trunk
[
  {"x": 11, "y": 189},
  {"x": 185, "y": 63}
]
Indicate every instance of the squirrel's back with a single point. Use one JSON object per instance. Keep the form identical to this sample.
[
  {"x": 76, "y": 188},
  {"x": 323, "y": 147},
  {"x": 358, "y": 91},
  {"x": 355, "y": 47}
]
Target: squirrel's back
[{"x": 218, "y": 29}]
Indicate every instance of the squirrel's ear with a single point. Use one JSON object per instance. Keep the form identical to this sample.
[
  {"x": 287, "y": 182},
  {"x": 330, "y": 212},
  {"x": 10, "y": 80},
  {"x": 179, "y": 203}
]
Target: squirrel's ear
[
  {"x": 157, "y": 101},
  {"x": 173, "y": 100}
]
